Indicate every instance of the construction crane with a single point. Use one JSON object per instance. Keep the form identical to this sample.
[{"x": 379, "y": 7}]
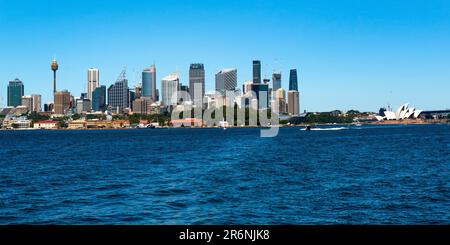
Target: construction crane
[{"x": 123, "y": 74}]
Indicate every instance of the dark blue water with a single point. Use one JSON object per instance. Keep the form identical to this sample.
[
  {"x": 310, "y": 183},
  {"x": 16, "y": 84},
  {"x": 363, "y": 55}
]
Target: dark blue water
[{"x": 367, "y": 175}]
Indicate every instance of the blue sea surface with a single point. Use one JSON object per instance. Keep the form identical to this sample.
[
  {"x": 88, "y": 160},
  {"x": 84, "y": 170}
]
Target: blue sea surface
[{"x": 341, "y": 175}]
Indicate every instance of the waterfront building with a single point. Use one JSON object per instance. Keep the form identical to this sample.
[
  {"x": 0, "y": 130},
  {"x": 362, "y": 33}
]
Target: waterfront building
[
  {"x": 99, "y": 99},
  {"x": 149, "y": 82},
  {"x": 16, "y": 123},
  {"x": 62, "y": 102},
  {"x": 403, "y": 112},
  {"x": 226, "y": 80},
  {"x": 27, "y": 101},
  {"x": 293, "y": 102},
  {"x": 93, "y": 78},
  {"x": 169, "y": 89},
  {"x": 118, "y": 94},
  {"x": 36, "y": 103},
  {"x": 197, "y": 82},
  {"x": 276, "y": 82},
  {"x": 293, "y": 83},
  {"x": 256, "y": 71},
  {"x": 120, "y": 124},
  {"x": 15, "y": 92},
  {"x": 187, "y": 122},
  {"x": 77, "y": 124},
  {"x": 46, "y": 124}
]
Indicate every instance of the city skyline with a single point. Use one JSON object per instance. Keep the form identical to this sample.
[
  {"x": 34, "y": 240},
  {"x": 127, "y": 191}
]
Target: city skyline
[{"x": 343, "y": 52}]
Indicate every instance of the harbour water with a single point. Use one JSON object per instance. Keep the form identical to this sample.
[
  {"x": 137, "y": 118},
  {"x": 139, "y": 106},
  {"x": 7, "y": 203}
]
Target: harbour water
[{"x": 341, "y": 175}]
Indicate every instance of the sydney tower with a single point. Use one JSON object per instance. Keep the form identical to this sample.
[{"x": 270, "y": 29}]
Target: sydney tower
[{"x": 54, "y": 69}]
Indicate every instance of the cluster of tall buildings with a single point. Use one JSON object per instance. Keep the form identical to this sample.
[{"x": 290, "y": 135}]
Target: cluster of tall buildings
[{"x": 145, "y": 98}]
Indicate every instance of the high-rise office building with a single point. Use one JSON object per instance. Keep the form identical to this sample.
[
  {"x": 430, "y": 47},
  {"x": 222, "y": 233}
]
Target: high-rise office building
[
  {"x": 49, "y": 107},
  {"x": 293, "y": 84},
  {"x": 247, "y": 87},
  {"x": 280, "y": 97},
  {"x": 37, "y": 104},
  {"x": 197, "y": 82},
  {"x": 99, "y": 99},
  {"x": 118, "y": 94},
  {"x": 93, "y": 78},
  {"x": 62, "y": 102},
  {"x": 276, "y": 82},
  {"x": 226, "y": 80},
  {"x": 83, "y": 105},
  {"x": 293, "y": 102},
  {"x": 142, "y": 105},
  {"x": 149, "y": 83},
  {"x": 15, "y": 92},
  {"x": 169, "y": 89},
  {"x": 131, "y": 98},
  {"x": 256, "y": 71},
  {"x": 138, "y": 91},
  {"x": 27, "y": 101},
  {"x": 262, "y": 94}
]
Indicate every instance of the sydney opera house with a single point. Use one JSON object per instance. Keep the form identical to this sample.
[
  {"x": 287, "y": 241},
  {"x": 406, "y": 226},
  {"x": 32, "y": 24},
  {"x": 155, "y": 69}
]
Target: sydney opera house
[{"x": 403, "y": 112}]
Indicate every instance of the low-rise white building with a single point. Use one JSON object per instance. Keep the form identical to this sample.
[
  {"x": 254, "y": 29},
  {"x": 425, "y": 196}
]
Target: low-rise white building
[{"x": 47, "y": 124}]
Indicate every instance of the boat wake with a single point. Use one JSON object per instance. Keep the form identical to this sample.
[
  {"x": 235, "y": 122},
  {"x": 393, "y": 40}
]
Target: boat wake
[{"x": 326, "y": 129}]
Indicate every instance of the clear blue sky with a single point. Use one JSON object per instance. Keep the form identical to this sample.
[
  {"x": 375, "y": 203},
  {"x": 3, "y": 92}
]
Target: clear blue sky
[{"x": 350, "y": 54}]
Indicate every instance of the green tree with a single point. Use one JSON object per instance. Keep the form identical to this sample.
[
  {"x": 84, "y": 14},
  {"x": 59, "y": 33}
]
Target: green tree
[{"x": 76, "y": 116}]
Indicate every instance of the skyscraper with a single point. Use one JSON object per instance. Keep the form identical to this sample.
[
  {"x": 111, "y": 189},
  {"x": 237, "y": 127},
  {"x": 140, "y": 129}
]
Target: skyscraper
[
  {"x": 93, "y": 78},
  {"x": 83, "y": 105},
  {"x": 15, "y": 92},
  {"x": 169, "y": 89},
  {"x": 262, "y": 94},
  {"x": 37, "y": 104},
  {"x": 293, "y": 85},
  {"x": 197, "y": 82},
  {"x": 118, "y": 94},
  {"x": 293, "y": 102},
  {"x": 27, "y": 101},
  {"x": 138, "y": 91},
  {"x": 142, "y": 105},
  {"x": 226, "y": 80},
  {"x": 99, "y": 99},
  {"x": 62, "y": 102},
  {"x": 276, "y": 82},
  {"x": 280, "y": 97},
  {"x": 247, "y": 87},
  {"x": 54, "y": 67},
  {"x": 149, "y": 83},
  {"x": 256, "y": 71}
]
